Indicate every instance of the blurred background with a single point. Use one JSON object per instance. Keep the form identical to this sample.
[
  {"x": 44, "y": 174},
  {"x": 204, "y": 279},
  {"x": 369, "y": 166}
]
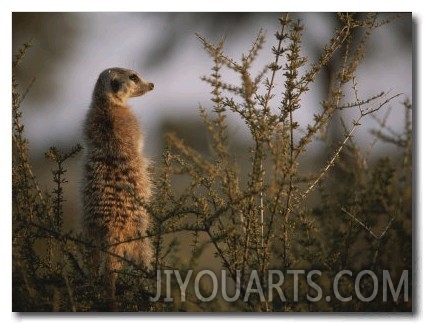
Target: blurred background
[{"x": 71, "y": 49}]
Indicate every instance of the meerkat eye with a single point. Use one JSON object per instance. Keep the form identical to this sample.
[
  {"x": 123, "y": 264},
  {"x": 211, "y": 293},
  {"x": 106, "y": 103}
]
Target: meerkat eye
[{"x": 134, "y": 78}]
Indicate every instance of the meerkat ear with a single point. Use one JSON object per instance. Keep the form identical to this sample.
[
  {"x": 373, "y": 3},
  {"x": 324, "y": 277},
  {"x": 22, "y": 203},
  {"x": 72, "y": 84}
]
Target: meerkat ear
[{"x": 116, "y": 85}]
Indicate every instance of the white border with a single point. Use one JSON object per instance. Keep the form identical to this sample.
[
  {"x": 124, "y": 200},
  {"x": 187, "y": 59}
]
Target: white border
[{"x": 222, "y": 5}]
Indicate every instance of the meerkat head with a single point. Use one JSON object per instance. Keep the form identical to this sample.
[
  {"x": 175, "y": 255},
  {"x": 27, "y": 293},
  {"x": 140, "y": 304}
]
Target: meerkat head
[{"x": 119, "y": 84}]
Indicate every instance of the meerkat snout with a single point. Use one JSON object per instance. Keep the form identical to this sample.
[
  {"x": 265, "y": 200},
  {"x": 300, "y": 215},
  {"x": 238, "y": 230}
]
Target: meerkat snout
[{"x": 151, "y": 86}]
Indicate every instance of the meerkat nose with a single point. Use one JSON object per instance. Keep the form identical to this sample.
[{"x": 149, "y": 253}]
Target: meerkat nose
[{"x": 151, "y": 86}]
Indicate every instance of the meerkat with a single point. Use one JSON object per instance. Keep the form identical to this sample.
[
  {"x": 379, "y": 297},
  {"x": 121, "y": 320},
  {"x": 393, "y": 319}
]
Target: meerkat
[{"x": 116, "y": 180}]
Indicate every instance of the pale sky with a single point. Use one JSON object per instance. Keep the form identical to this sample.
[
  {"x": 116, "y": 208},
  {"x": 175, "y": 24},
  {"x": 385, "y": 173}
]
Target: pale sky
[{"x": 178, "y": 88}]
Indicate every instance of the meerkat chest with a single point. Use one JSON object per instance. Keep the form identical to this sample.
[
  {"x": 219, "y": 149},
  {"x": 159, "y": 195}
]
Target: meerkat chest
[
  {"x": 126, "y": 126},
  {"x": 118, "y": 131}
]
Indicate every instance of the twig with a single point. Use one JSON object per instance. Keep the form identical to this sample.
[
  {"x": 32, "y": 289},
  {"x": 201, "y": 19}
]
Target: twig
[
  {"x": 378, "y": 237},
  {"x": 348, "y": 136}
]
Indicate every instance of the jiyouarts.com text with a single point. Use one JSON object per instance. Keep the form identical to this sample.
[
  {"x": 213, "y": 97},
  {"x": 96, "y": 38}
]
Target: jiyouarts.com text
[{"x": 276, "y": 285}]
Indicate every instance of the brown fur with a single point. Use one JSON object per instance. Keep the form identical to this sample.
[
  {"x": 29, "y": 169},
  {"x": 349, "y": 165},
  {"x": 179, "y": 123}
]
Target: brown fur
[{"x": 115, "y": 175}]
